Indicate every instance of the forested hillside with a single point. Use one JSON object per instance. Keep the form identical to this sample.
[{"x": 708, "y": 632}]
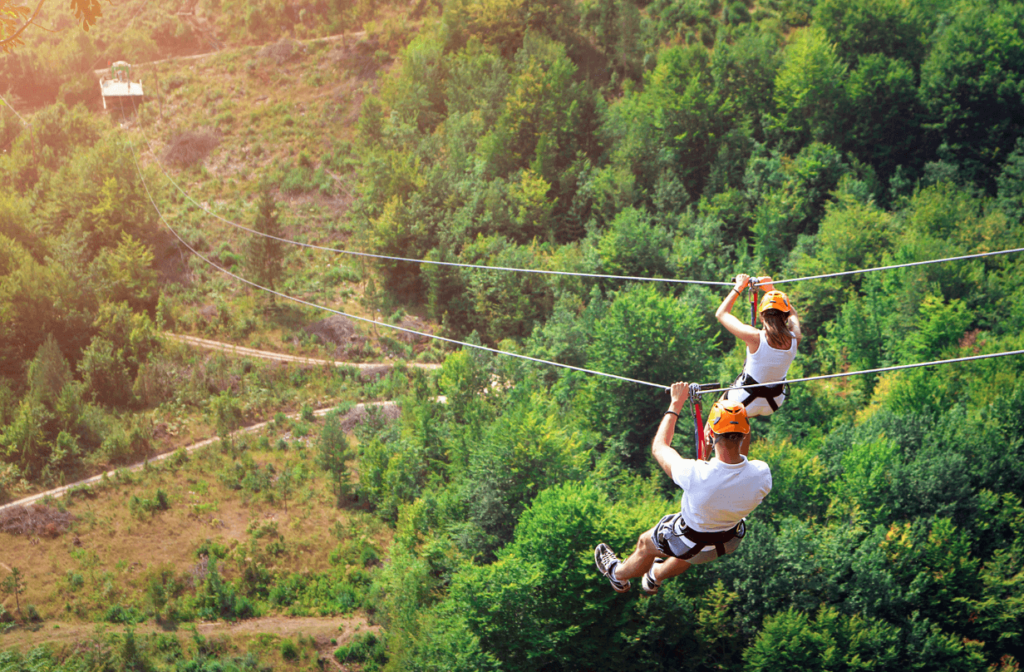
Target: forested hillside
[{"x": 672, "y": 139}]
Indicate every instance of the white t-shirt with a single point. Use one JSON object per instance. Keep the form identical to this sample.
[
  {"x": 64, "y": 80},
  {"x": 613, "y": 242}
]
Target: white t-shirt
[{"x": 716, "y": 495}]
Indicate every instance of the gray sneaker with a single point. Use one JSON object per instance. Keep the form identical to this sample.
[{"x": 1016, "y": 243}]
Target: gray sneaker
[
  {"x": 605, "y": 560},
  {"x": 647, "y": 585}
]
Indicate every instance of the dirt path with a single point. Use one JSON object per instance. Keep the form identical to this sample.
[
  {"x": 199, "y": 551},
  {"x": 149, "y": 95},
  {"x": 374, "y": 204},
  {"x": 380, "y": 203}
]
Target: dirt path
[
  {"x": 102, "y": 72},
  {"x": 354, "y": 415},
  {"x": 356, "y": 412},
  {"x": 208, "y": 344},
  {"x": 322, "y": 629}
]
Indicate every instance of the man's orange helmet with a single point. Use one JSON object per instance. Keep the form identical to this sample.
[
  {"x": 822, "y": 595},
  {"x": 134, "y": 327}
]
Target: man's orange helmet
[
  {"x": 728, "y": 417},
  {"x": 774, "y": 300}
]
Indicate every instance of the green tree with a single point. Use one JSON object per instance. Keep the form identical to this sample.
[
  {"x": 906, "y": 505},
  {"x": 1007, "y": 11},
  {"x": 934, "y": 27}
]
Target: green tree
[
  {"x": 972, "y": 83},
  {"x": 266, "y": 253},
  {"x": 791, "y": 640},
  {"x": 286, "y": 484},
  {"x": 125, "y": 274},
  {"x": 14, "y": 585},
  {"x": 861, "y": 27},
  {"x": 506, "y": 305},
  {"x": 528, "y": 449},
  {"x": 645, "y": 335},
  {"x": 539, "y": 606},
  {"x": 48, "y": 373},
  {"x": 1011, "y": 184},
  {"x": 809, "y": 94},
  {"x": 674, "y": 124},
  {"x": 333, "y": 454},
  {"x": 633, "y": 245},
  {"x": 883, "y": 117},
  {"x": 791, "y": 197}
]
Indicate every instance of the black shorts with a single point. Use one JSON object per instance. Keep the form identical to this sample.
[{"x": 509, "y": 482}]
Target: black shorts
[{"x": 668, "y": 538}]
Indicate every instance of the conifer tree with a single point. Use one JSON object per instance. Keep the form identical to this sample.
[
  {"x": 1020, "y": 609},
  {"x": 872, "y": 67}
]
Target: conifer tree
[{"x": 266, "y": 254}]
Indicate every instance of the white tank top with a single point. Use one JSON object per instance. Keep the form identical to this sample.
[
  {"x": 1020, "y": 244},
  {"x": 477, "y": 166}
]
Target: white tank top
[{"x": 769, "y": 365}]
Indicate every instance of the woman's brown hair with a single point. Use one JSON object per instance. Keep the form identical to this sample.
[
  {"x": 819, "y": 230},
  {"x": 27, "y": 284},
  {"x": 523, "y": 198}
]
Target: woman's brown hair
[{"x": 776, "y": 329}]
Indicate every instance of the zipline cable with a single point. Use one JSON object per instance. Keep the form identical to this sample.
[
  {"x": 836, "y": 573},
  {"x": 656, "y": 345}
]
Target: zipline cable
[
  {"x": 548, "y": 272},
  {"x": 452, "y": 341},
  {"x": 869, "y": 371},
  {"x": 418, "y": 261},
  {"x": 893, "y": 266},
  {"x": 23, "y": 122}
]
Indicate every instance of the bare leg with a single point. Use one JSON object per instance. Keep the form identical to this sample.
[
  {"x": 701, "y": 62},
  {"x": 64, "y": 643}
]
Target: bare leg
[
  {"x": 671, "y": 567},
  {"x": 637, "y": 564}
]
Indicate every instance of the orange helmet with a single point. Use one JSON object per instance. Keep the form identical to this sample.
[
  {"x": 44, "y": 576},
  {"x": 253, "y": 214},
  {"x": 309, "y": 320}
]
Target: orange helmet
[
  {"x": 727, "y": 417},
  {"x": 774, "y": 300}
]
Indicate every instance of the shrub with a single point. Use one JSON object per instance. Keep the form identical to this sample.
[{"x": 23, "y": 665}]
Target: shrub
[
  {"x": 288, "y": 650},
  {"x": 360, "y": 650},
  {"x": 226, "y": 412},
  {"x": 141, "y": 506},
  {"x": 118, "y": 614},
  {"x": 32, "y": 614}
]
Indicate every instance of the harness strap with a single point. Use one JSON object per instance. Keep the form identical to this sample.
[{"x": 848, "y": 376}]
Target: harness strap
[
  {"x": 766, "y": 392},
  {"x": 701, "y": 540}
]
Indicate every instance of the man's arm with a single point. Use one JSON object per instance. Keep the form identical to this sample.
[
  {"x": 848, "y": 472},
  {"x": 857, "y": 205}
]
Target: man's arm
[{"x": 662, "y": 448}]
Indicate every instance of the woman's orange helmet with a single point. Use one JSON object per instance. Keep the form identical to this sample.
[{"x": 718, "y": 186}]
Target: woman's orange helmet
[
  {"x": 728, "y": 417},
  {"x": 774, "y": 300}
]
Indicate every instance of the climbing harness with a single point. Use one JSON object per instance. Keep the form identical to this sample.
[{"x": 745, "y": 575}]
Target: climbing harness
[
  {"x": 717, "y": 539},
  {"x": 756, "y": 390}
]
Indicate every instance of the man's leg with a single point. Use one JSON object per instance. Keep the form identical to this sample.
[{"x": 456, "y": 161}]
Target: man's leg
[
  {"x": 671, "y": 567},
  {"x": 640, "y": 560}
]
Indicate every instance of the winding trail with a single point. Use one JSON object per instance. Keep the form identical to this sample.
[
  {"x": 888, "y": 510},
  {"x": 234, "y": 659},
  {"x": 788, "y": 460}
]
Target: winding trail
[
  {"x": 208, "y": 344},
  {"x": 62, "y": 490},
  {"x": 390, "y": 407},
  {"x": 357, "y": 35},
  {"x": 342, "y": 629}
]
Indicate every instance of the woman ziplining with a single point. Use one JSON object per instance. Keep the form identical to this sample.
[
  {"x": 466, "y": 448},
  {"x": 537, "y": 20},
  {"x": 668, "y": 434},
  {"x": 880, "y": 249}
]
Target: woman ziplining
[{"x": 770, "y": 350}]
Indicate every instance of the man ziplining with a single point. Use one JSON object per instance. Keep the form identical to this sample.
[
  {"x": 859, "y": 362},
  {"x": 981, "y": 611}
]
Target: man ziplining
[{"x": 717, "y": 496}]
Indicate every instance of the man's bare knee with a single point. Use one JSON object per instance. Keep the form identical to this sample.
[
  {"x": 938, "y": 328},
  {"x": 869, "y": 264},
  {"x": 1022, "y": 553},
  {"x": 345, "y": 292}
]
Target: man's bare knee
[{"x": 647, "y": 546}]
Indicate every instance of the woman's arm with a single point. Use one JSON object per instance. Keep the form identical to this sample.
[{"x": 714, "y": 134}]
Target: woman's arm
[
  {"x": 744, "y": 332},
  {"x": 794, "y": 323}
]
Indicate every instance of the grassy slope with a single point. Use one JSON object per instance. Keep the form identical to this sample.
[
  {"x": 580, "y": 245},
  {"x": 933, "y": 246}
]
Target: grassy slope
[
  {"x": 277, "y": 118},
  {"x": 110, "y": 553}
]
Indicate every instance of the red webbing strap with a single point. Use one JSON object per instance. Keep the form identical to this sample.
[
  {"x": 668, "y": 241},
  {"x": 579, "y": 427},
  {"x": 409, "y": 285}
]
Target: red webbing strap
[
  {"x": 698, "y": 430},
  {"x": 753, "y": 303},
  {"x": 698, "y": 421}
]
